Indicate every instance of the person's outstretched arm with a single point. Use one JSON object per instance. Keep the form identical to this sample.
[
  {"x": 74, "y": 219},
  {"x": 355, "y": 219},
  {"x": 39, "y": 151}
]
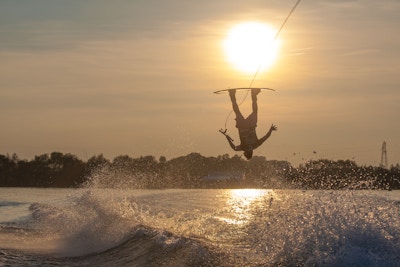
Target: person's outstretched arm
[
  {"x": 236, "y": 148},
  {"x": 267, "y": 135}
]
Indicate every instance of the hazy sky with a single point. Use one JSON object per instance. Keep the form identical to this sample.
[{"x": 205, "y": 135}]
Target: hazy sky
[{"x": 136, "y": 77}]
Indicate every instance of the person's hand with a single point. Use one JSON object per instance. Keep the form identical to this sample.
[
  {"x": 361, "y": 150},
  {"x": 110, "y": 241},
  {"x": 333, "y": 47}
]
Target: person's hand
[{"x": 273, "y": 128}]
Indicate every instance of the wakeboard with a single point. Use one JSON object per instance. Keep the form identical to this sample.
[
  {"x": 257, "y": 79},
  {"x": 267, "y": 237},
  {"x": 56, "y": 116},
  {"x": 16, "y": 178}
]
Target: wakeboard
[{"x": 241, "y": 89}]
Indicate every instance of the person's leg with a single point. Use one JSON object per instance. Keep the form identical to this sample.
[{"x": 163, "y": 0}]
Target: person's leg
[
  {"x": 239, "y": 117},
  {"x": 254, "y": 93},
  {"x": 232, "y": 95},
  {"x": 252, "y": 118}
]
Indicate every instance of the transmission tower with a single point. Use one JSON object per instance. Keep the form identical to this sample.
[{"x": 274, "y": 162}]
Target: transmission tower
[{"x": 384, "y": 161}]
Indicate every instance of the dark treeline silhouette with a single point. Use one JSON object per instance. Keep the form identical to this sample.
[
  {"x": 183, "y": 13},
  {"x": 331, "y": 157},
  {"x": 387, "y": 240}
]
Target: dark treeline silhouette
[{"x": 191, "y": 171}]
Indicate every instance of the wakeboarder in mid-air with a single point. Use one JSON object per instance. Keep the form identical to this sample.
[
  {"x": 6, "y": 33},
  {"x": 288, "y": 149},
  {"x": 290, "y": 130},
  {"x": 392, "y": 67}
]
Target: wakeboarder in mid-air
[{"x": 247, "y": 126}]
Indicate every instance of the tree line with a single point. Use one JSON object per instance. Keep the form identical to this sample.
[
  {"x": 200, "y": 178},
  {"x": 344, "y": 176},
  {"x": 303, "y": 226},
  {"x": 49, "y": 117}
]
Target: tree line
[{"x": 191, "y": 171}]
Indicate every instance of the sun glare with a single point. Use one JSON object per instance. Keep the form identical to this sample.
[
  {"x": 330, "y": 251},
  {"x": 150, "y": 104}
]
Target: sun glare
[
  {"x": 250, "y": 46},
  {"x": 241, "y": 202}
]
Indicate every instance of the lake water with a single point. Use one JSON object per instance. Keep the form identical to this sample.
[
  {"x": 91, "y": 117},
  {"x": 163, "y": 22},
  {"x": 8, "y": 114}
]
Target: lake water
[{"x": 241, "y": 227}]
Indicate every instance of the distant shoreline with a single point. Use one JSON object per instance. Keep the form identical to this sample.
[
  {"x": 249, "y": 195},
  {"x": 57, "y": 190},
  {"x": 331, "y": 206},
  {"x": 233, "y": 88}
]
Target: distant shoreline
[{"x": 59, "y": 170}]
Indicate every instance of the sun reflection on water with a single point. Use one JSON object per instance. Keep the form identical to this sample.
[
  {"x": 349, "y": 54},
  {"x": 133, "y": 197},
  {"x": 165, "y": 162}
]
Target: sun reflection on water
[{"x": 241, "y": 202}]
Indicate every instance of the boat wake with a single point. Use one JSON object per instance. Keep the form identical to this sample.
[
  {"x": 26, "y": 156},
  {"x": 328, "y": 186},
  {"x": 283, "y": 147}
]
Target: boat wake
[{"x": 104, "y": 227}]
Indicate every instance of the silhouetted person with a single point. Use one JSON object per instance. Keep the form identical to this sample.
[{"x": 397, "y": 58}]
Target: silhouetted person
[{"x": 247, "y": 126}]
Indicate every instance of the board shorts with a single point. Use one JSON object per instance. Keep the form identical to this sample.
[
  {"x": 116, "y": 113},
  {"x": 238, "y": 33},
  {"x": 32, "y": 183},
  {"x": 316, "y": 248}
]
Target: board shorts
[{"x": 245, "y": 123}]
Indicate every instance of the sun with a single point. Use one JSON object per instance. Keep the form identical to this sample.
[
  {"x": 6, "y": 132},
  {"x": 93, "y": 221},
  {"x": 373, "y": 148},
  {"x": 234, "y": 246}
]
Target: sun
[{"x": 250, "y": 46}]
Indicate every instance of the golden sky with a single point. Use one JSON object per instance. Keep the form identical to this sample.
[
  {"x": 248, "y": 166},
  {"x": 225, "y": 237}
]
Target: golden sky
[{"x": 136, "y": 77}]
